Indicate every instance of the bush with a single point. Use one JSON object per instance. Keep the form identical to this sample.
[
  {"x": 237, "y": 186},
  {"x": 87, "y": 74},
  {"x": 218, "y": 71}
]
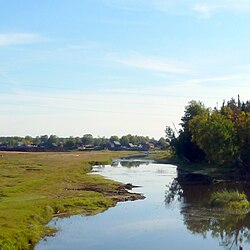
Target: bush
[{"x": 233, "y": 201}]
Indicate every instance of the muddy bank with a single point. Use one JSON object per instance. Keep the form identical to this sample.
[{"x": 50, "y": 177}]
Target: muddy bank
[{"x": 117, "y": 194}]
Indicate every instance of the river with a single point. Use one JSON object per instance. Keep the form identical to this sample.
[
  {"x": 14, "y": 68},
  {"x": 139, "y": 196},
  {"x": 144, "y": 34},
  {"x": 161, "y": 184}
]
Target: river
[{"x": 171, "y": 216}]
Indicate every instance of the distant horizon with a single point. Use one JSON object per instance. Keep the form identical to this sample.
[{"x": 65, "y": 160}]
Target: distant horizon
[
  {"x": 80, "y": 136},
  {"x": 114, "y": 67}
]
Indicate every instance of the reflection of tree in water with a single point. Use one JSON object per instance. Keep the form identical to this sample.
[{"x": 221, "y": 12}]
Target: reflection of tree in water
[
  {"x": 174, "y": 192},
  {"x": 227, "y": 228},
  {"x": 133, "y": 164},
  {"x": 200, "y": 219},
  {"x": 115, "y": 163}
]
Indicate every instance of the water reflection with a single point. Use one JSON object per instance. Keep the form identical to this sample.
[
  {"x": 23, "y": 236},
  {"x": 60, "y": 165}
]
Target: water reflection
[
  {"x": 198, "y": 218},
  {"x": 129, "y": 163},
  {"x": 181, "y": 222}
]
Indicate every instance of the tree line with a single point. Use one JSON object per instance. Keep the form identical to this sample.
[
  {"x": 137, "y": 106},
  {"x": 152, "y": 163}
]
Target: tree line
[
  {"x": 71, "y": 143},
  {"x": 218, "y": 136}
]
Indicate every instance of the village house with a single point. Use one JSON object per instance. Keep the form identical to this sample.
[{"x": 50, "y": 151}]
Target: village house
[{"x": 115, "y": 145}]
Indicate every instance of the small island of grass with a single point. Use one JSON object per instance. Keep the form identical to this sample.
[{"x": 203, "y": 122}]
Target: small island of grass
[{"x": 231, "y": 201}]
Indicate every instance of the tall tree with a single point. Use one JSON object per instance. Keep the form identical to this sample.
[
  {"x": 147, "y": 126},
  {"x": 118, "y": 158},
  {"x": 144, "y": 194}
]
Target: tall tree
[
  {"x": 52, "y": 141},
  {"x": 88, "y": 139},
  {"x": 216, "y": 136},
  {"x": 184, "y": 146},
  {"x": 124, "y": 140},
  {"x": 114, "y": 138}
]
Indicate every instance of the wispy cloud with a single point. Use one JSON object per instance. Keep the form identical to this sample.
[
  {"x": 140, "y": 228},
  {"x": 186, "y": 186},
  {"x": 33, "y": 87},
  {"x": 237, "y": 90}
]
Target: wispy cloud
[
  {"x": 155, "y": 64},
  {"x": 19, "y": 38},
  {"x": 214, "y": 79},
  {"x": 208, "y": 8},
  {"x": 205, "y": 8}
]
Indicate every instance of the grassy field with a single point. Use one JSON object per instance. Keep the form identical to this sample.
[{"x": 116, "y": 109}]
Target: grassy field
[{"x": 36, "y": 186}]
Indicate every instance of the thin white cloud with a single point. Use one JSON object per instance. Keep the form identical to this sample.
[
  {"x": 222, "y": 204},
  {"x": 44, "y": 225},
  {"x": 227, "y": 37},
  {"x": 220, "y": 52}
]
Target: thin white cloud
[
  {"x": 205, "y": 8},
  {"x": 214, "y": 79},
  {"x": 209, "y": 8},
  {"x": 19, "y": 38},
  {"x": 65, "y": 112},
  {"x": 155, "y": 64}
]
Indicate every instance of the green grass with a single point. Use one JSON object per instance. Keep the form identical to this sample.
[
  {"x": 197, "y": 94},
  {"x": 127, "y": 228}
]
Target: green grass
[
  {"x": 36, "y": 186},
  {"x": 232, "y": 201},
  {"x": 160, "y": 156}
]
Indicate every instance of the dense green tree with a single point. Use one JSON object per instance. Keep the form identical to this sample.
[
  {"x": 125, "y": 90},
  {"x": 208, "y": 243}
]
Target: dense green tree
[
  {"x": 183, "y": 145},
  {"x": 52, "y": 141},
  {"x": 70, "y": 143},
  {"x": 193, "y": 109},
  {"x": 143, "y": 139},
  {"x": 78, "y": 140},
  {"x": 216, "y": 136},
  {"x": 28, "y": 140},
  {"x": 101, "y": 142},
  {"x": 243, "y": 135},
  {"x": 134, "y": 139},
  {"x": 124, "y": 140},
  {"x": 88, "y": 139},
  {"x": 114, "y": 138},
  {"x": 239, "y": 113},
  {"x": 37, "y": 140},
  {"x": 162, "y": 141},
  {"x": 44, "y": 139},
  {"x": 98, "y": 141}
]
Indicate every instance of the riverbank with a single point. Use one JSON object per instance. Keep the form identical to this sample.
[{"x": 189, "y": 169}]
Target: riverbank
[
  {"x": 202, "y": 171},
  {"x": 35, "y": 187}
]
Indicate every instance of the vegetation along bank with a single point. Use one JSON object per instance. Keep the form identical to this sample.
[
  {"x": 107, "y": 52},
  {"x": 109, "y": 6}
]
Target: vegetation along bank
[
  {"x": 214, "y": 140},
  {"x": 35, "y": 187}
]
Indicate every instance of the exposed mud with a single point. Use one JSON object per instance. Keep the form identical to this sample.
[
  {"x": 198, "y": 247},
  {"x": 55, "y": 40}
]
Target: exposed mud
[{"x": 118, "y": 194}]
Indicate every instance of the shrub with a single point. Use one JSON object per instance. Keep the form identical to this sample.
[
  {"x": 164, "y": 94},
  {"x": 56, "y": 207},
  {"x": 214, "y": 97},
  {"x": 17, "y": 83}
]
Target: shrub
[{"x": 233, "y": 201}]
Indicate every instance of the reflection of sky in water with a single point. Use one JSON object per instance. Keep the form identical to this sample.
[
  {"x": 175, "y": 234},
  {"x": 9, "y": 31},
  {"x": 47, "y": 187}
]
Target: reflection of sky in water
[{"x": 144, "y": 224}]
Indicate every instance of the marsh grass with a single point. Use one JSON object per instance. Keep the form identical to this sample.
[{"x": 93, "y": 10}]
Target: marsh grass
[
  {"x": 36, "y": 186},
  {"x": 230, "y": 200},
  {"x": 160, "y": 155}
]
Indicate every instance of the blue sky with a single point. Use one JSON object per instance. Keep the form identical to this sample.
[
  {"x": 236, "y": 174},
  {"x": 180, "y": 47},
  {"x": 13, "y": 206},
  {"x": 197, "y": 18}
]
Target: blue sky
[{"x": 115, "y": 67}]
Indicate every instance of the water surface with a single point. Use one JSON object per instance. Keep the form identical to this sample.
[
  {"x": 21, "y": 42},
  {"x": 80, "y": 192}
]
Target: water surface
[{"x": 171, "y": 217}]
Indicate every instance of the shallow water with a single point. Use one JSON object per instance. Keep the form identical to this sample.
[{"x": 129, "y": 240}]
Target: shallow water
[{"x": 171, "y": 216}]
